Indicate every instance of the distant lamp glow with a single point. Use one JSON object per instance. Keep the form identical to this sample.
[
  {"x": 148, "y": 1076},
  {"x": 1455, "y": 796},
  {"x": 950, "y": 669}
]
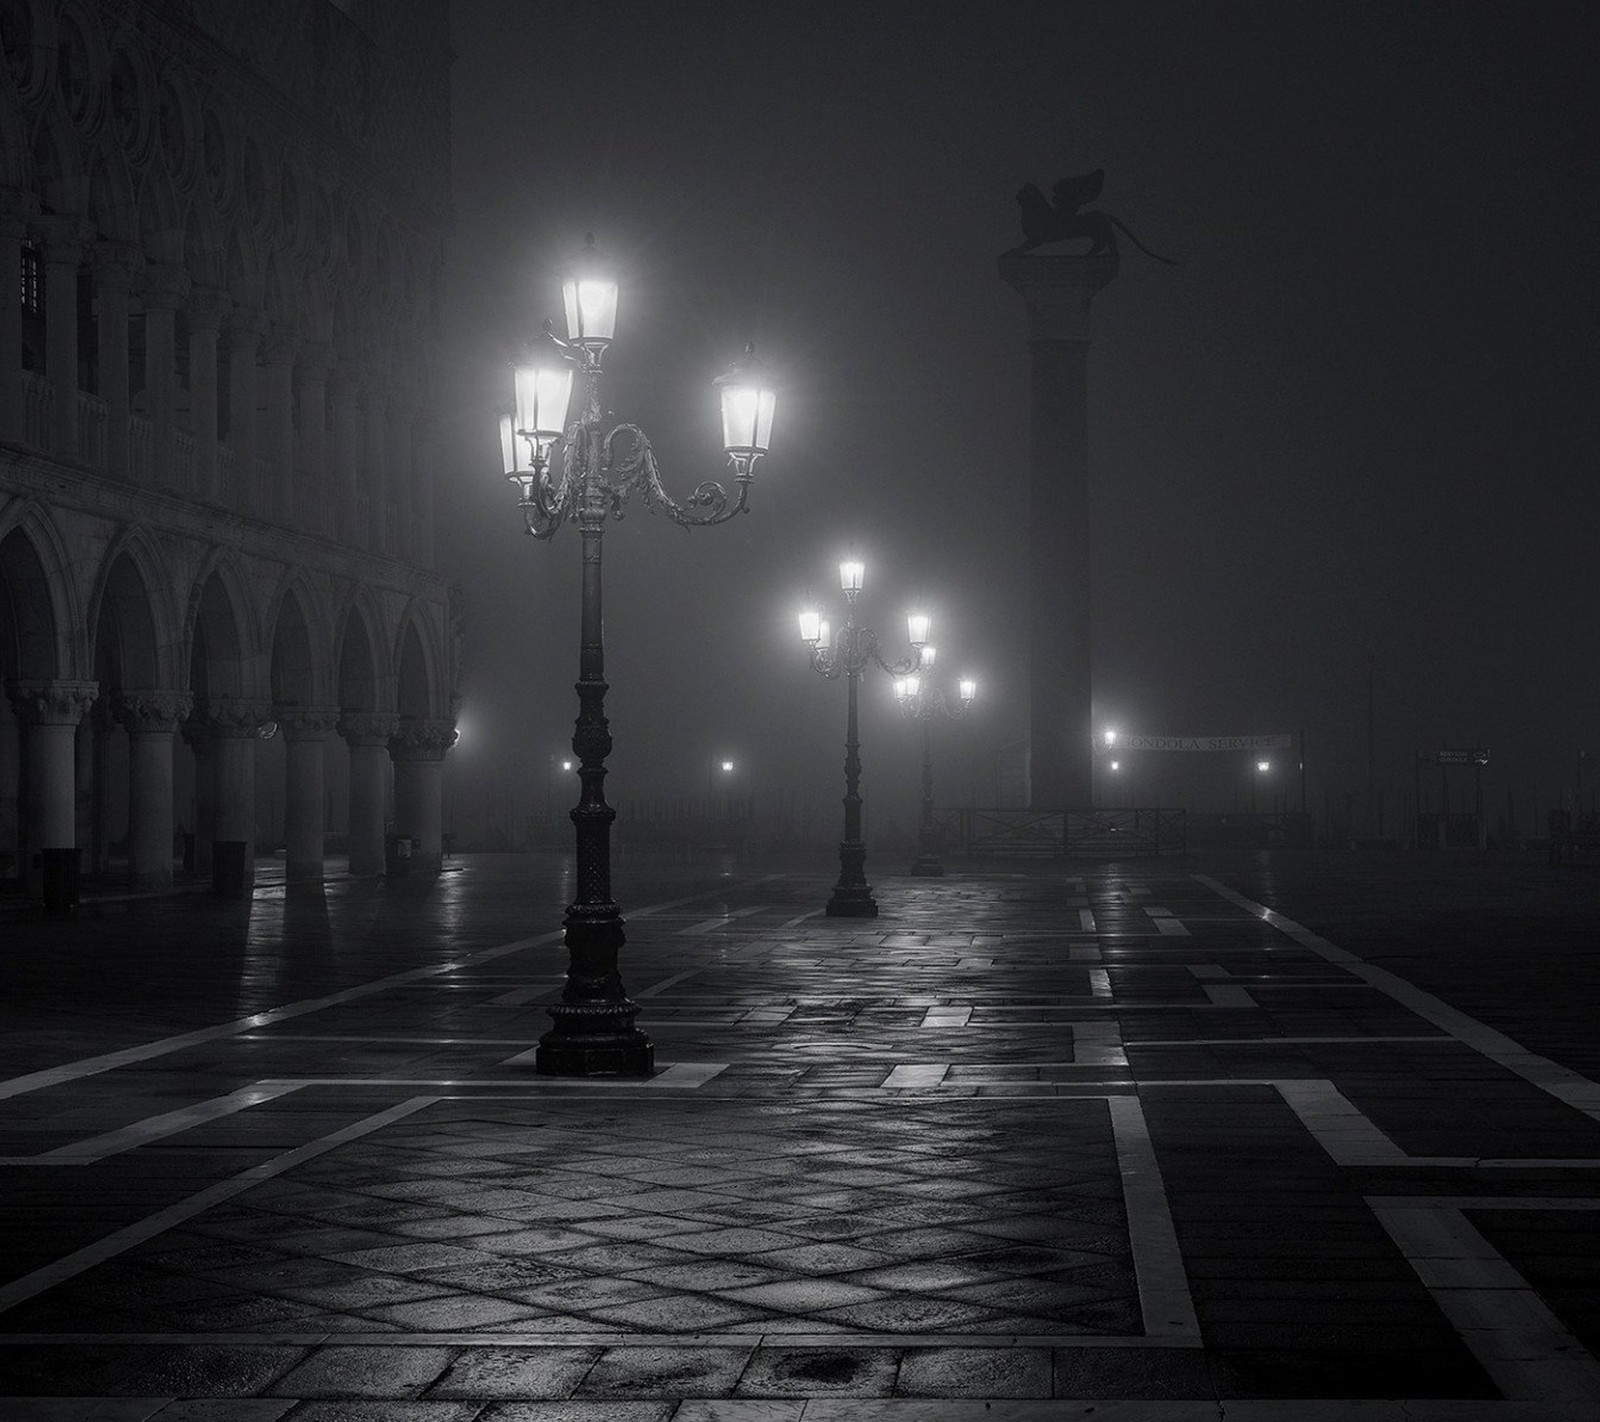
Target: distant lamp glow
[
  {"x": 913, "y": 684},
  {"x": 748, "y": 404},
  {"x": 901, "y": 689},
  {"x": 727, "y": 767},
  {"x": 927, "y": 654},
  {"x": 590, "y": 295},
  {"x": 811, "y": 626},
  {"x": 852, "y": 572},
  {"x": 1263, "y": 766},
  {"x": 1116, "y": 765},
  {"x": 968, "y": 689},
  {"x": 917, "y": 627},
  {"x": 543, "y": 393},
  {"x": 1111, "y": 738},
  {"x": 566, "y": 765}
]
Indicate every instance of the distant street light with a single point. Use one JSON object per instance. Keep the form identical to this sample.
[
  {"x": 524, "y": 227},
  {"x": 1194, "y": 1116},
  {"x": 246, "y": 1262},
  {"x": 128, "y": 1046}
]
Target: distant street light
[
  {"x": 593, "y": 1032},
  {"x": 1263, "y": 767},
  {"x": 850, "y": 655},
  {"x": 919, "y": 700}
]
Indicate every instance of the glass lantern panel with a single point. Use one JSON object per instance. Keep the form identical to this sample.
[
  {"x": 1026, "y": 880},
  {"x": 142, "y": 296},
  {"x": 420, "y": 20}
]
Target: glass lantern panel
[
  {"x": 851, "y": 575},
  {"x": 510, "y": 446},
  {"x": 543, "y": 393},
  {"x": 810, "y": 625},
  {"x": 917, "y": 626},
  {"x": 747, "y": 418},
  {"x": 591, "y": 310}
]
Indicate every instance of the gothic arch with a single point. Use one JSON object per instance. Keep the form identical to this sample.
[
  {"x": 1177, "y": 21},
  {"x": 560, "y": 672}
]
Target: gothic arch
[
  {"x": 309, "y": 668},
  {"x": 419, "y": 674},
  {"x": 112, "y": 206},
  {"x": 222, "y": 638},
  {"x": 58, "y": 168},
  {"x": 203, "y": 246},
  {"x": 160, "y": 218},
  {"x": 63, "y": 648},
  {"x": 135, "y": 548},
  {"x": 364, "y": 680}
]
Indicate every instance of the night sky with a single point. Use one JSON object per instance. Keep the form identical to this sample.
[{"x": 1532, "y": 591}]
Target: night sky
[{"x": 1358, "y": 419}]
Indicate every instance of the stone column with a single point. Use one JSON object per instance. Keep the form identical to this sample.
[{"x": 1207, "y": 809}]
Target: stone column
[
  {"x": 367, "y": 734},
  {"x": 197, "y": 733},
  {"x": 50, "y": 712},
  {"x": 16, "y": 211},
  {"x": 1058, "y": 291},
  {"x": 66, "y": 240},
  {"x": 242, "y": 335},
  {"x": 417, "y": 749},
  {"x": 305, "y": 729},
  {"x": 115, "y": 266},
  {"x": 277, "y": 433},
  {"x": 207, "y": 306},
  {"x": 165, "y": 289},
  {"x": 233, "y": 724},
  {"x": 151, "y": 718}
]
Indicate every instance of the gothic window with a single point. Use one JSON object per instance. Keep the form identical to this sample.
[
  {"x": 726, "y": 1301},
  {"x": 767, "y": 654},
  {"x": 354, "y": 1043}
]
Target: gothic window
[{"x": 32, "y": 282}]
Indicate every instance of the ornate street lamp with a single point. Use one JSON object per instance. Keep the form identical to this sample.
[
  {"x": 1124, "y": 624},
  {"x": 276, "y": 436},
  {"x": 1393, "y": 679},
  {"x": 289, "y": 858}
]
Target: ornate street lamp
[
  {"x": 593, "y": 1032},
  {"x": 850, "y": 655},
  {"x": 920, "y": 700}
]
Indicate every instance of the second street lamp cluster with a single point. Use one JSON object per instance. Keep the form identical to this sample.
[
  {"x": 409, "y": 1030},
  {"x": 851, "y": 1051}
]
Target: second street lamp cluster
[
  {"x": 849, "y": 654},
  {"x": 921, "y": 701}
]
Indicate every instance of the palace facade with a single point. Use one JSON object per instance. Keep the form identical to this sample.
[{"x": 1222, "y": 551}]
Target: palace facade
[{"x": 220, "y": 628}]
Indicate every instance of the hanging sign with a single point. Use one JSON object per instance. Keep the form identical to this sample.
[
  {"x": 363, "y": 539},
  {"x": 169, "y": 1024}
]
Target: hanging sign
[{"x": 1460, "y": 755}]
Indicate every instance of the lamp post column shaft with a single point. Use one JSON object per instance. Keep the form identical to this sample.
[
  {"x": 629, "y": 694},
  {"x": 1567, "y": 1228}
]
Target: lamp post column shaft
[
  {"x": 852, "y": 895},
  {"x": 928, "y": 862},
  {"x": 593, "y": 1032}
]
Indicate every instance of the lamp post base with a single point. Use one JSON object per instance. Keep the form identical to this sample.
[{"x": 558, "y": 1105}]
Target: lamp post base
[
  {"x": 852, "y": 903},
  {"x": 580, "y": 1045}
]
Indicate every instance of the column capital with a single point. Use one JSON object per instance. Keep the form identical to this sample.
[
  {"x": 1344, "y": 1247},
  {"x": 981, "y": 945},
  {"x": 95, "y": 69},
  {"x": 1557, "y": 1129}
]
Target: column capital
[
  {"x": 1058, "y": 291},
  {"x": 65, "y": 239},
  {"x": 243, "y": 327},
  {"x": 306, "y": 723},
  {"x": 232, "y": 717},
  {"x": 151, "y": 712},
  {"x": 116, "y": 264},
  {"x": 279, "y": 346},
  {"x": 367, "y": 728},
  {"x": 207, "y": 307},
  {"x": 51, "y": 702},
  {"x": 17, "y": 211},
  {"x": 315, "y": 360},
  {"x": 165, "y": 288},
  {"x": 421, "y": 740}
]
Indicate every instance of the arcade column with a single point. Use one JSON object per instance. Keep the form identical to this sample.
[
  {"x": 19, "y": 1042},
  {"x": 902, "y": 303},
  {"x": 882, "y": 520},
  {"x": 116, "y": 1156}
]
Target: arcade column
[
  {"x": 233, "y": 726},
  {"x": 305, "y": 729},
  {"x": 366, "y": 734},
  {"x": 49, "y": 712},
  {"x": 417, "y": 749},
  {"x": 151, "y": 719},
  {"x": 1058, "y": 291}
]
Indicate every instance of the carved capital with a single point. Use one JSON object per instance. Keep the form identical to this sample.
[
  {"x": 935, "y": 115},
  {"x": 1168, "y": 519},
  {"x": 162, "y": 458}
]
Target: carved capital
[
  {"x": 164, "y": 288},
  {"x": 116, "y": 264},
  {"x": 279, "y": 346},
  {"x": 417, "y": 740},
  {"x": 207, "y": 307},
  {"x": 51, "y": 703},
  {"x": 1058, "y": 291},
  {"x": 232, "y": 717},
  {"x": 17, "y": 211},
  {"x": 242, "y": 330},
  {"x": 149, "y": 713},
  {"x": 367, "y": 728},
  {"x": 306, "y": 723},
  {"x": 66, "y": 240}
]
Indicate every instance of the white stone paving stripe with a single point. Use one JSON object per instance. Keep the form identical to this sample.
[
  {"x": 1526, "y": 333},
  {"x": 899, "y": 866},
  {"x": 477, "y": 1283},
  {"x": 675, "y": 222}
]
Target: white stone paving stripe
[
  {"x": 1164, "y": 1298},
  {"x": 1575, "y": 1090},
  {"x": 155, "y": 1128},
  {"x": 1086, "y": 920},
  {"x": 1523, "y": 1347},
  {"x": 913, "y": 1076},
  {"x": 710, "y": 925},
  {"x": 48, "y": 1276},
  {"x": 164, "y": 1046},
  {"x": 1228, "y": 995}
]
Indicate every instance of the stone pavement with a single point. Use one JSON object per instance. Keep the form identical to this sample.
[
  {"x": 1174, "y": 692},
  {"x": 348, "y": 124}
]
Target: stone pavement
[{"x": 1270, "y": 1137}]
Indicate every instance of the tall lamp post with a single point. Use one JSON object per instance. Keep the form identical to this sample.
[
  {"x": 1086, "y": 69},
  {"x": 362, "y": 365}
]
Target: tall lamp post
[
  {"x": 849, "y": 655},
  {"x": 920, "y": 701},
  {"x": 593, "y": 1032}
]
